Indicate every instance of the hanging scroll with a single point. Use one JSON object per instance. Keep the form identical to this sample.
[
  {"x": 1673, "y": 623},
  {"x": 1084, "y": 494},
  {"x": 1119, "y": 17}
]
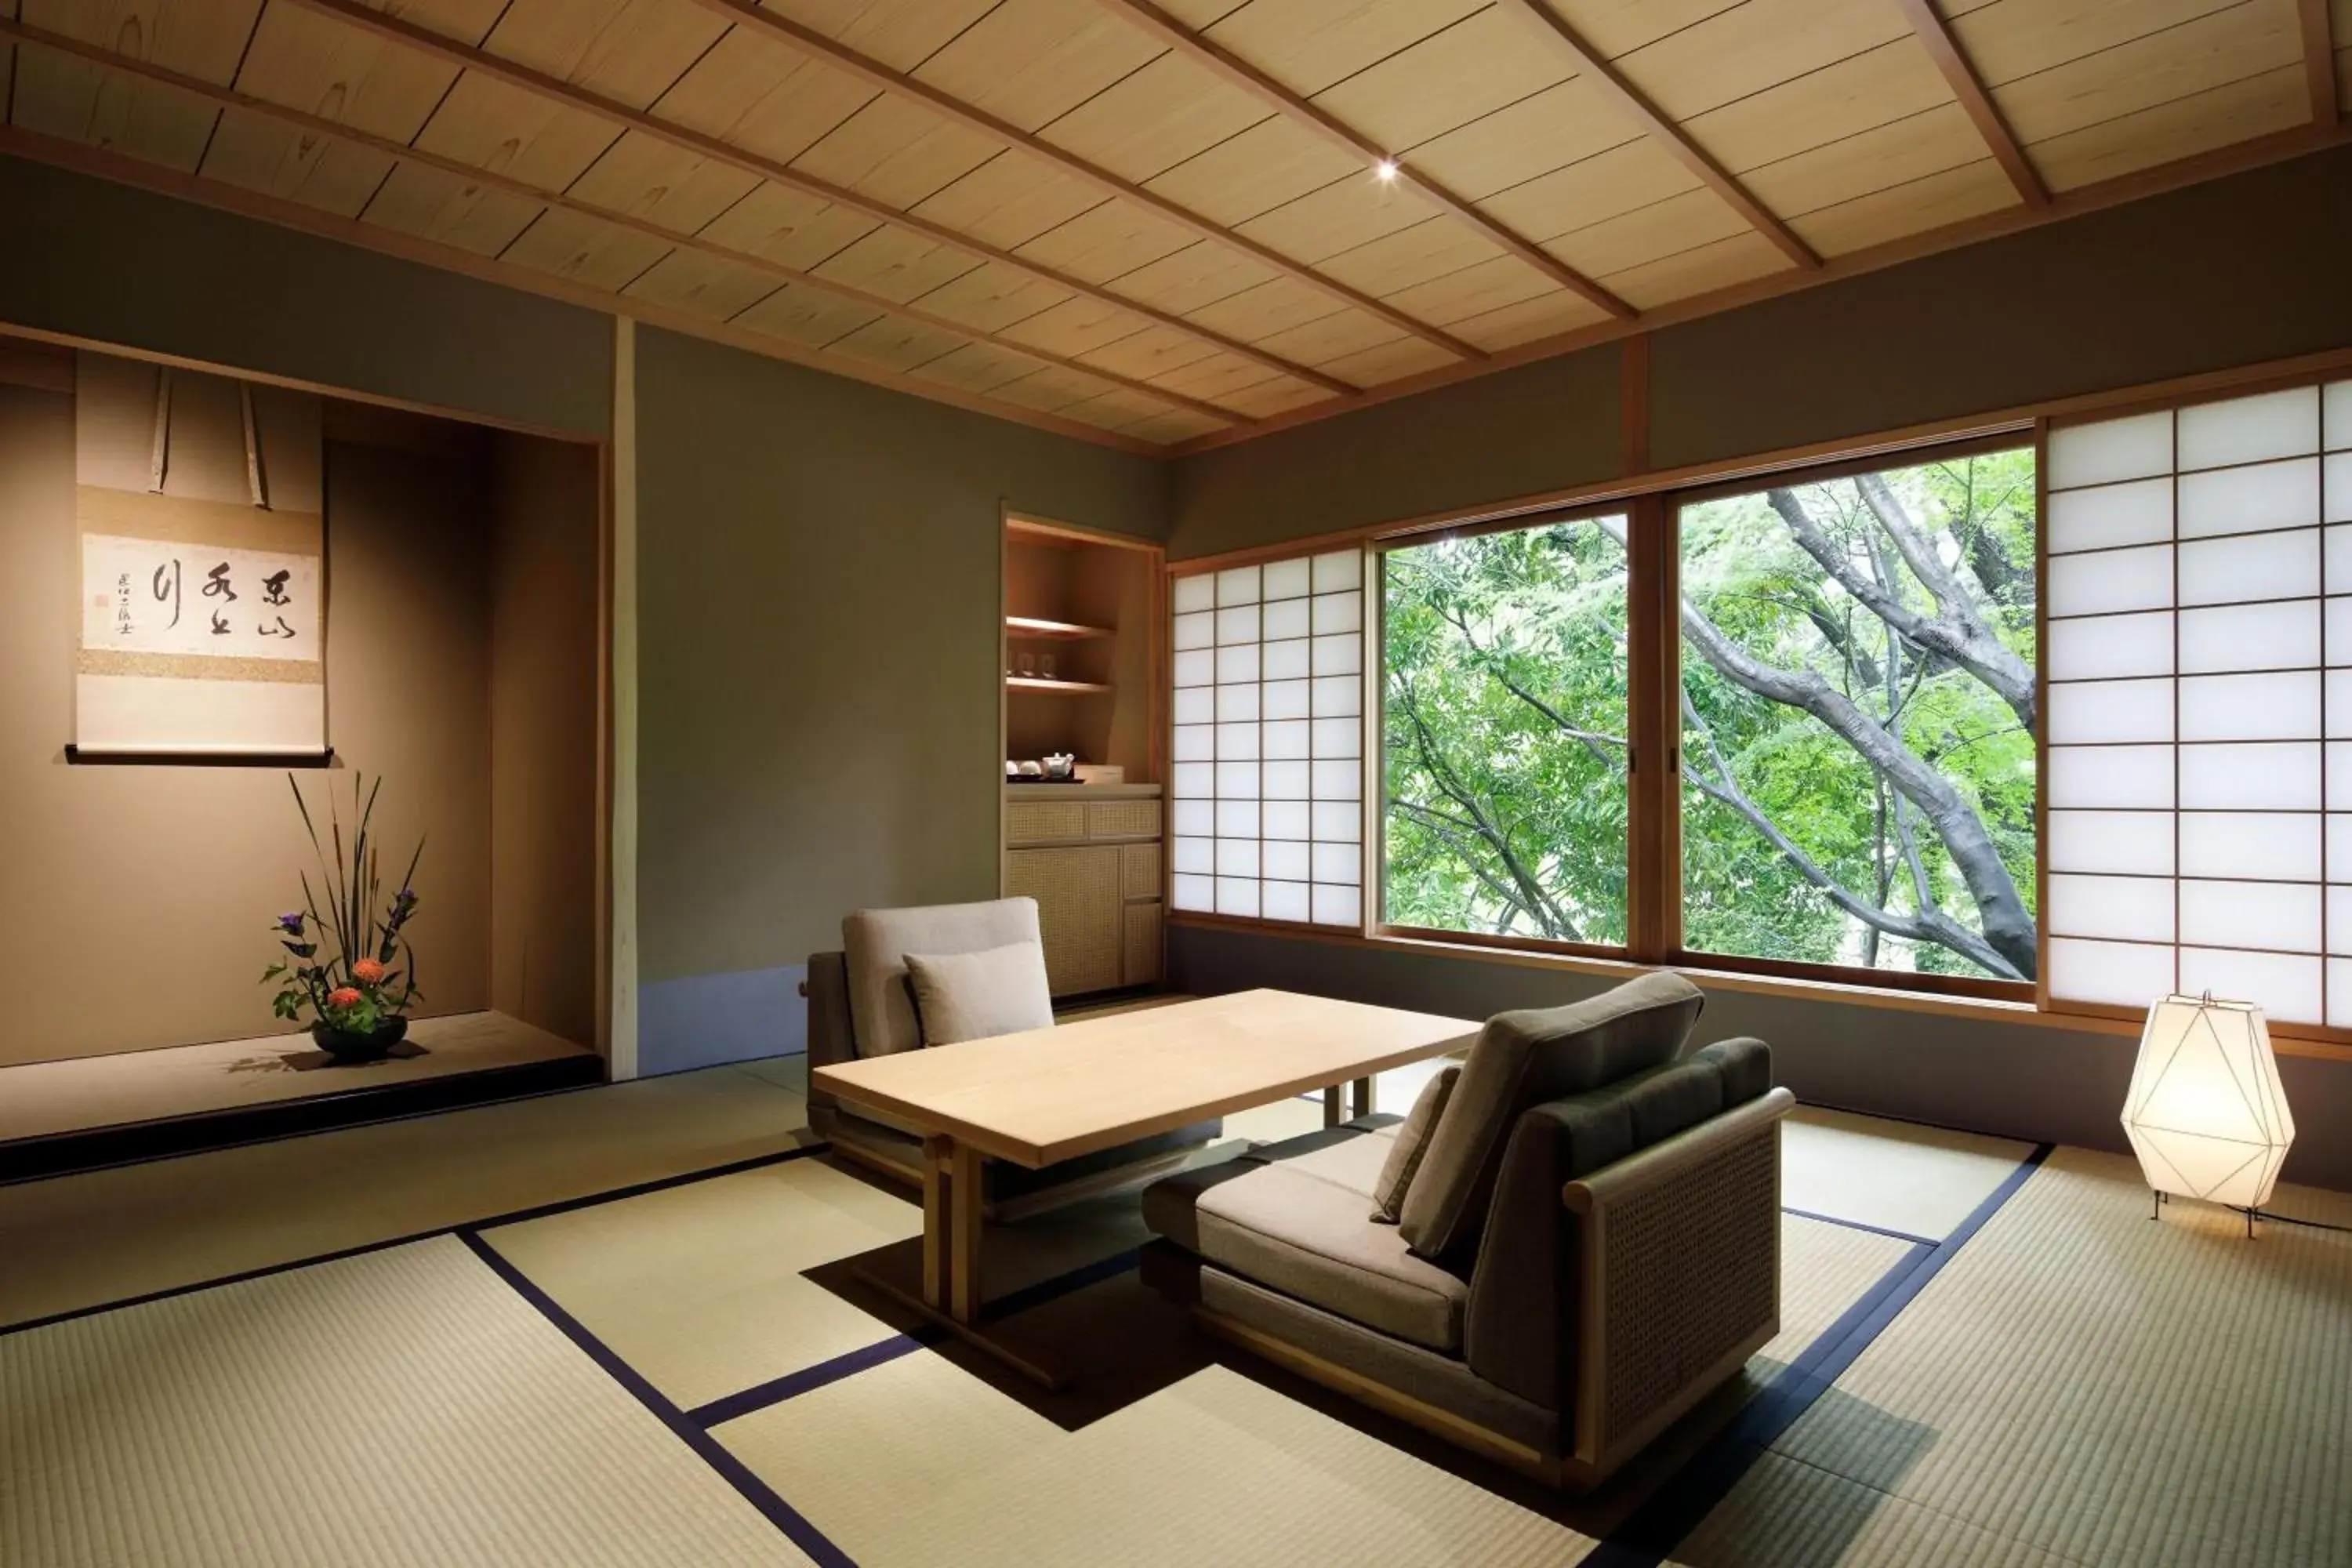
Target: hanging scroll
[{"x": 202, "y": 566}]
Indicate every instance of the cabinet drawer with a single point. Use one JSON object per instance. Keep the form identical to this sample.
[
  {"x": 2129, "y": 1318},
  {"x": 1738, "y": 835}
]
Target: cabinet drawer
[
  {"x": 1139, "y": 955},
  {"x": 1079, "y": 913},
  {"x": 1122, "y": 819},
  {"x": 1139, "y": 870},
  {"x": 1045, "y": 821}
]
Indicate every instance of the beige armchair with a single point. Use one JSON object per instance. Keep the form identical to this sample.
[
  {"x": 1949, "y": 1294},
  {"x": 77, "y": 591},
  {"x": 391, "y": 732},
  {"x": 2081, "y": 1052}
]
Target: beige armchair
[
  {"x": 1588, "y": 1246},
  {"x": 860, "y": 1005}
]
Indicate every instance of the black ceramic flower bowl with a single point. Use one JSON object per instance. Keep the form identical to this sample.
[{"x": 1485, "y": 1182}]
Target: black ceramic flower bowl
[{"x": 358, "y": 1046}]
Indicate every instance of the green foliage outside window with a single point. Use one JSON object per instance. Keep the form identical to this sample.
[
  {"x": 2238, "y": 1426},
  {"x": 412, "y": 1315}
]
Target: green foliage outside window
[
  {"x": 1858, "y": 714},
  {"x": 1506, "y": 722}
]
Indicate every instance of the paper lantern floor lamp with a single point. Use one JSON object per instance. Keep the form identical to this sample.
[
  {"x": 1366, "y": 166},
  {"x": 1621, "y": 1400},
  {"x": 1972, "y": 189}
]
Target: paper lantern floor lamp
[{"x": 2206, "y": 1114}]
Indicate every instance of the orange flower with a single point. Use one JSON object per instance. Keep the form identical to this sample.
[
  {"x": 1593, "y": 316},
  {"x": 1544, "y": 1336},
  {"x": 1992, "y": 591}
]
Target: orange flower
[
  {"x": 343, "y": 996},
  {"x": 367, "y": 970}
]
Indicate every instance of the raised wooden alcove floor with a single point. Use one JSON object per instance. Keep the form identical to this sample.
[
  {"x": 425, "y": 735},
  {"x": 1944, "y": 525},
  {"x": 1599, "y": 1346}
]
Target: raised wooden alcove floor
[{"x": 83, "y": 1111}]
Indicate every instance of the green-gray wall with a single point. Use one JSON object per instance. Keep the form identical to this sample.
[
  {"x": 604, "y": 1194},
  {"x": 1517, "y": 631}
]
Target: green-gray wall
[
  {"x": 819, "y": 610},
  {"x": 2229, "y": 273},
  {"x": 116, "y": 266}
]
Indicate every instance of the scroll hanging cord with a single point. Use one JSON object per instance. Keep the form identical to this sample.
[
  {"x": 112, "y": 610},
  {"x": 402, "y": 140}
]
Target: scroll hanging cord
[
  {"x": 253, "y": 477},
  {"x": 159, "y": 452}
]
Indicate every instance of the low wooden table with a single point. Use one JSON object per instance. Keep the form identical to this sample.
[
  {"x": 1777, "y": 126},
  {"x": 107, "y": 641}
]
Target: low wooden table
[{"x": 1049, "y": 1094}]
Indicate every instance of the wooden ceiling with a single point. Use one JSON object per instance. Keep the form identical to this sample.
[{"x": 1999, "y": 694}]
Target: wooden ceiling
[{"x": 1160, "y": 222}]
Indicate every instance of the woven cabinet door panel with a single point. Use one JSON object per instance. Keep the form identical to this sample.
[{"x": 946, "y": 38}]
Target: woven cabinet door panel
[
  {"x": 1142, "y": 865},
  {"x": 1045, "y": 821},
  {"x": 1123, "y": 819},
  {"x": 1141, "y": 964},
  {"x": 1078, "y": 905}
]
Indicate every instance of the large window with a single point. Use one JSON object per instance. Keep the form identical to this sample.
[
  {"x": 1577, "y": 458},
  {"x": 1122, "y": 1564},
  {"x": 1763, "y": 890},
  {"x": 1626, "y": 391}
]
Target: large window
[
  {"x": 1855, "y": 703},
  {"x": 1505, "y": 747},
  {"x": 2063, "y": 713},
  {"x": 1858, "y": 714},
  {"x": 2201, "y": 705}
]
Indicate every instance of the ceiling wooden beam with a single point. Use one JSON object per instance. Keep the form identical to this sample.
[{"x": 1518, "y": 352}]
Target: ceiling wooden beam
[
  {"x": 1961, "y": 78},
  {"x": 781, "y": 29},
  {"x": 2319, "y": 63},
  {"x": 311, "y": 124},
  {"x": 399, "y": 30},
  {"x": 1304, "y": 112},
  {"x": 1636, "y": 105}
]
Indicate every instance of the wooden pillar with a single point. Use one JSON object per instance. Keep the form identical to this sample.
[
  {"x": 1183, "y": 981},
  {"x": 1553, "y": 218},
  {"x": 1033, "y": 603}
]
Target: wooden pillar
[
  {"x": 617, "y": 782},
  {"x": 1654, "y": 920}
]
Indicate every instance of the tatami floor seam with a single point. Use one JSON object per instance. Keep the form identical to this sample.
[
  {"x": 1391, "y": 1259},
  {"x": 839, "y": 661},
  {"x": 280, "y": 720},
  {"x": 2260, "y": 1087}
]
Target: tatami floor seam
[
  {"x": 1858, "y": 1225},
  {"x": 1961, "y": 1520},
  {"x": 519, "y": 1216}
]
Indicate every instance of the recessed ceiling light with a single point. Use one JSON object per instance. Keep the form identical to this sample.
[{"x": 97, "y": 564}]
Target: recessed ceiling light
[{"x": 1386, "y": 170}]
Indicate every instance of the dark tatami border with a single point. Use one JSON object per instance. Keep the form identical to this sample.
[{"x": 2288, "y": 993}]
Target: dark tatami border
[
  {"x": 516, "y": 1217},
  {"x": 693, "y": 1433}
]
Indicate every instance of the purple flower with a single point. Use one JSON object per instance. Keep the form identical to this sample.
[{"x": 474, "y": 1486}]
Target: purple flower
[{"x": 292, "y": 923}]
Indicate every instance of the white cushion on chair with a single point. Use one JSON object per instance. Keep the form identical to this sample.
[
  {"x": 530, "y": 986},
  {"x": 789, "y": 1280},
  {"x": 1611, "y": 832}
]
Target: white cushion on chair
[
  {"x": 974, "y": 996},
  {"x": 877, "y": 941}
]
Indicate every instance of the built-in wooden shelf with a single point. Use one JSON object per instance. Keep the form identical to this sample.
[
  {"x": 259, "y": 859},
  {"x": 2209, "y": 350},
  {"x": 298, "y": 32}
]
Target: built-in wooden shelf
[
  {"x": 1060, "y": 688},
  {"x": 1059, "y": 631}
]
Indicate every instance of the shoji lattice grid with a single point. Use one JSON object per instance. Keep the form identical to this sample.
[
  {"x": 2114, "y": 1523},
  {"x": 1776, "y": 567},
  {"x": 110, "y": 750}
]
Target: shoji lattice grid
[
  {"x": 2200, "y": 663},
  {"x": 1267, "y": 793}
]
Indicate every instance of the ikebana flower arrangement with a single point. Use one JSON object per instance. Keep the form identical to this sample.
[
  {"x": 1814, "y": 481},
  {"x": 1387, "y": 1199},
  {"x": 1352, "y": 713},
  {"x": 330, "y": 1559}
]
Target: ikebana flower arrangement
[{"x": 349, "y": 967}]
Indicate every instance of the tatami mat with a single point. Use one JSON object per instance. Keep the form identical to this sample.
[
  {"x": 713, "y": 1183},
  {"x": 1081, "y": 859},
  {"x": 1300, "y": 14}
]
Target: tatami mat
[
  {"x": 403, "y": 1407},
  {"x": 103, "y": 1236},
  {"x": 1899, "y": 1176},
  {"x": 1787, "y": 1515},
  {"x": 699, "y": 1286},
  {"x": 1203, "y": 1471},
  {"x": 870, "y": 1459},
  {"x": 1216, "y": 1469},
  {"x": 785, "y": 1072},
  {"x": 2113, "y": 1389},
  {"x": 1824, "y": 1269},
  {"x": 2079, "y": 1384}
]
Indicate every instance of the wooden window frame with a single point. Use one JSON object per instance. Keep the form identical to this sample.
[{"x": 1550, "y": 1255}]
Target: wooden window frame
[
  {"x": 1641, "y": 899},
  {"x": 1655, "y": 802},
  {"x": 2006, "y": 439}
]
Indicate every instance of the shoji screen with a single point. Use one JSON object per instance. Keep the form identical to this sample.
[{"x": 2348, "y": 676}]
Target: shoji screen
[
  {"x": 2200, "y": 663},
  {"x": 1266, "y": 798}
]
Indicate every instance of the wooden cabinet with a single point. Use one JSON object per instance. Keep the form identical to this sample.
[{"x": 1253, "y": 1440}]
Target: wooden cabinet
[
  {"x": 1093, "y": 865},
  {"x": 1084, "y": 634}
]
